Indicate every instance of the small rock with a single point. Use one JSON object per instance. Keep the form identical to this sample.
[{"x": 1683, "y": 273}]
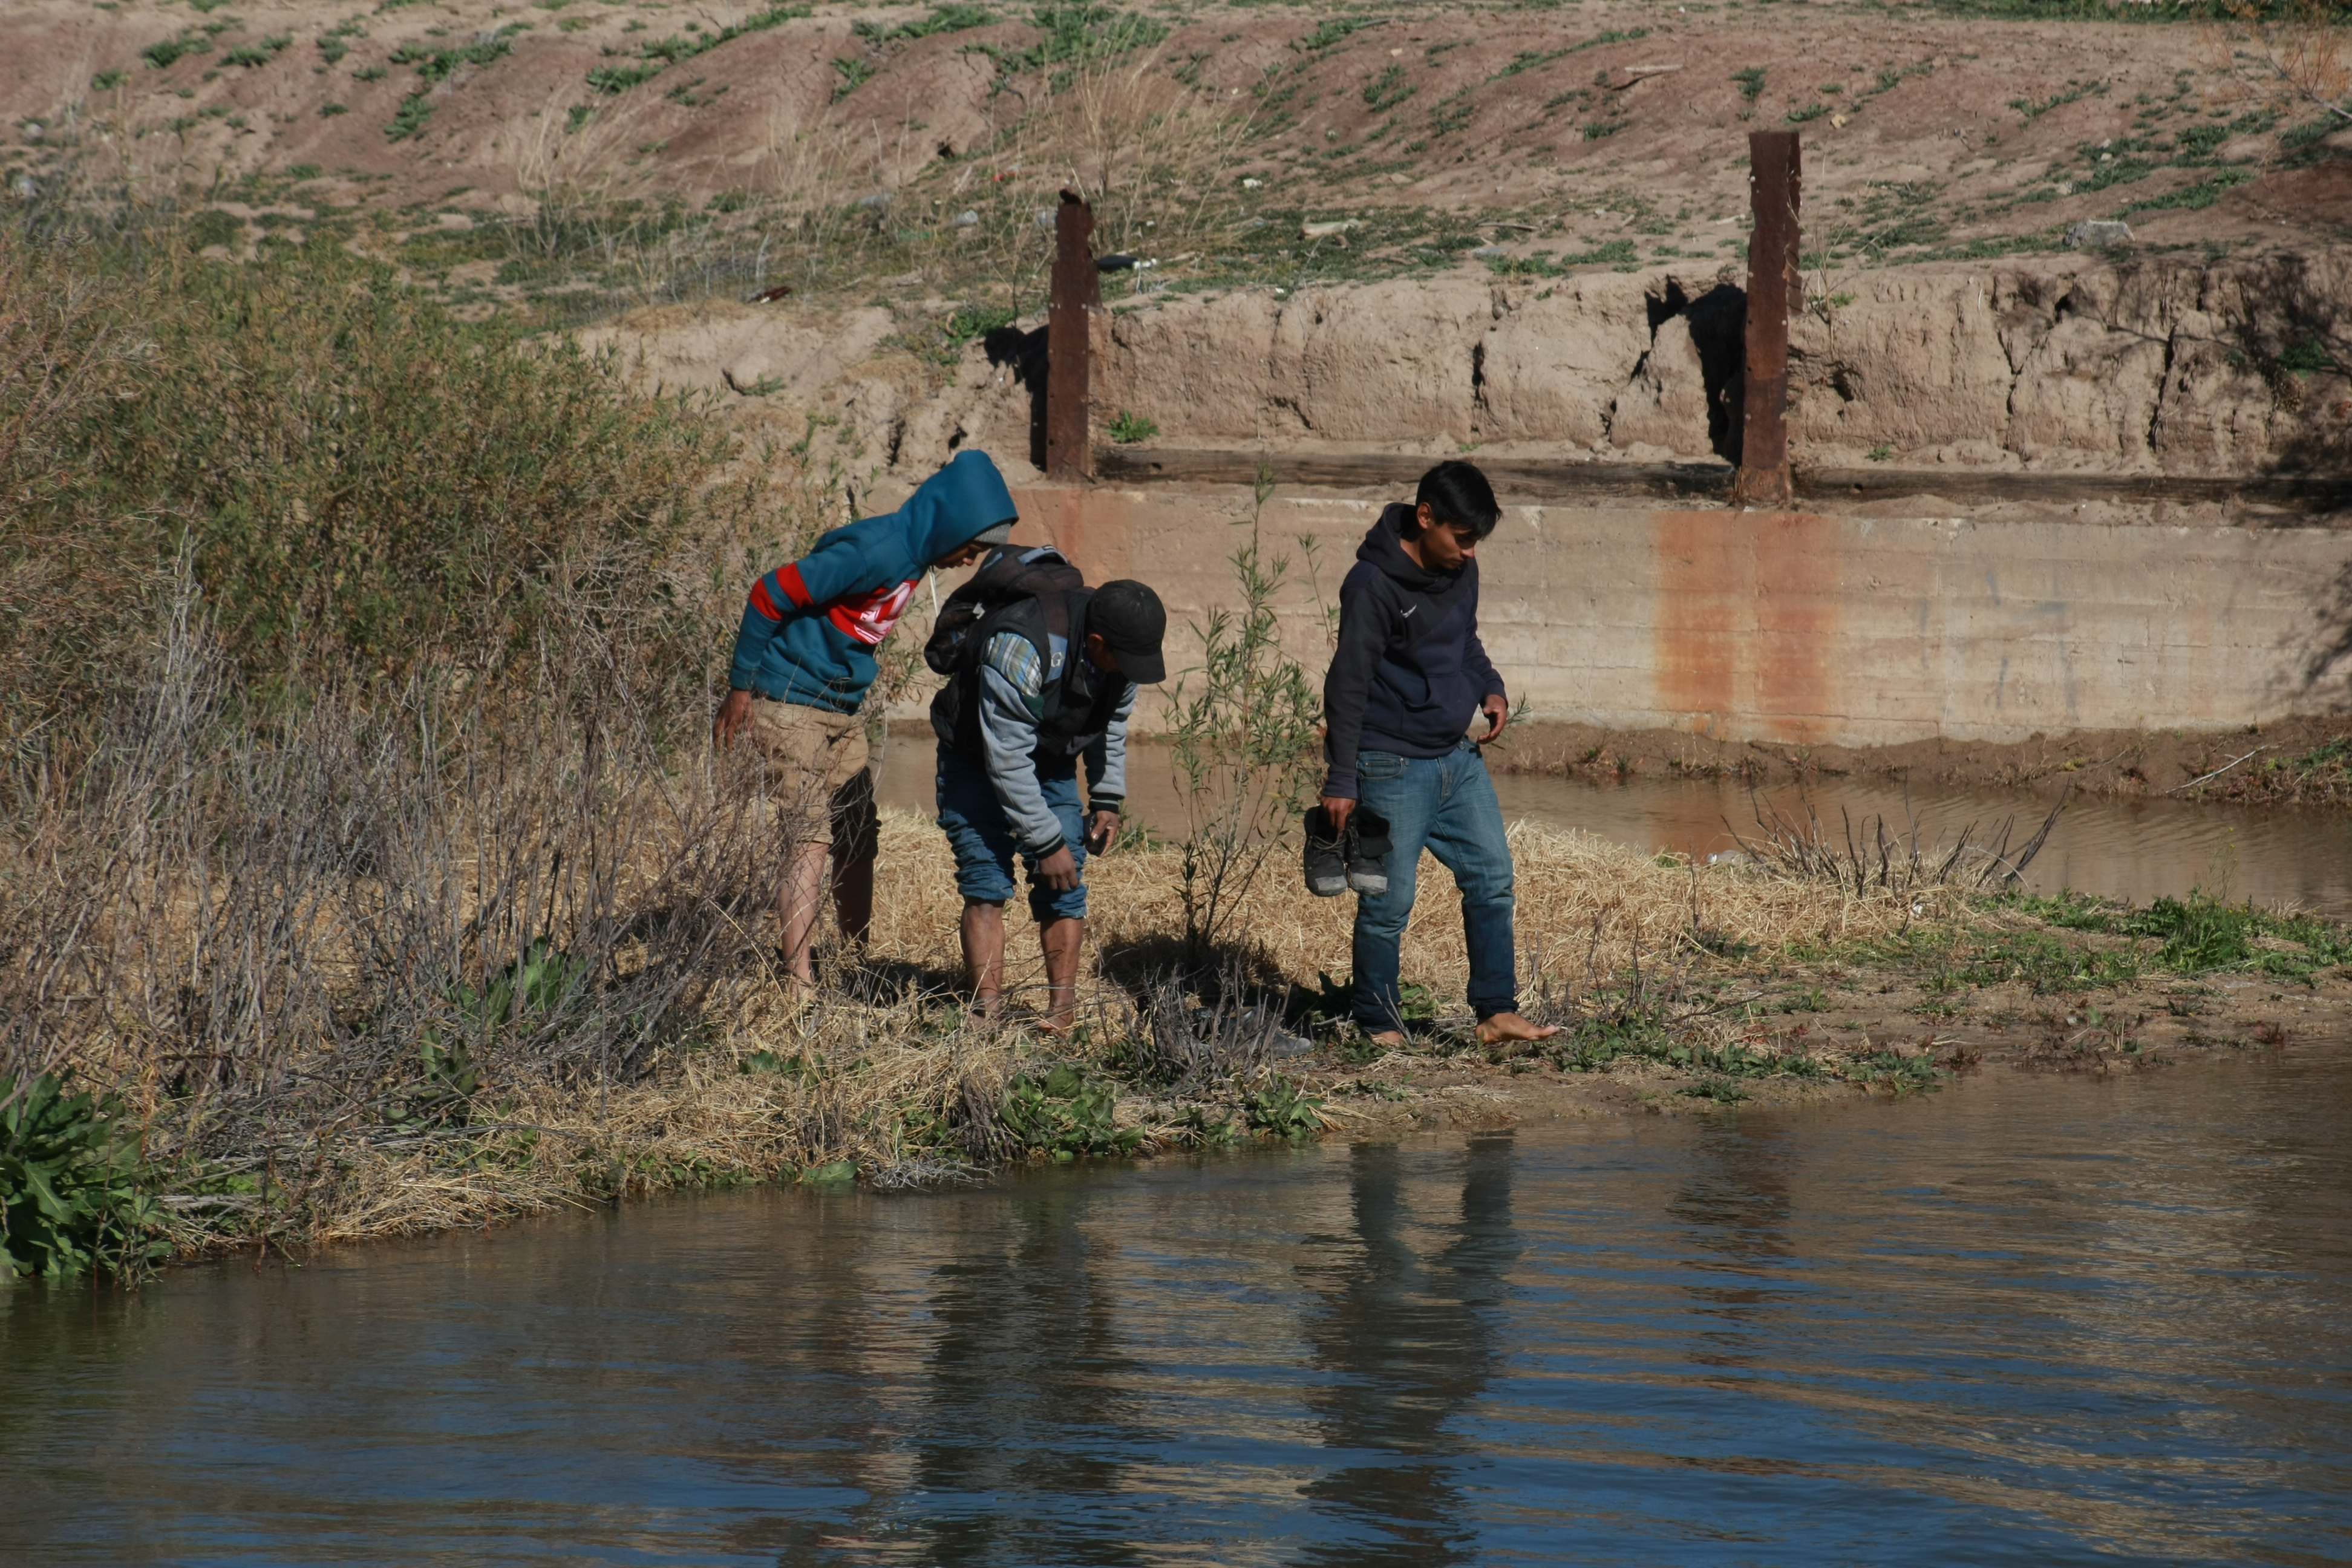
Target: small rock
[
  {"x": 1326, "y": 229},
  {"x": 1492, "y": 250},
  {"x": 968, "y": 219},
  {"x": 33, "y": 132},
  {"x": 2093, "y": 233},
  {"x": 1251, "y": 183},
  {"x": 1838, "y": 122},
  {"x": 25, "y": 188},
  {"x": 876, "y": 202},
  {"x": 1044, "y": 218}
]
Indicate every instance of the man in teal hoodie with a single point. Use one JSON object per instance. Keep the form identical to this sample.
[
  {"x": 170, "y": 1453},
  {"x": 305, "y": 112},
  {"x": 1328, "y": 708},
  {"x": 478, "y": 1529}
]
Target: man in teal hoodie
[{"x": 804, "y": 660}]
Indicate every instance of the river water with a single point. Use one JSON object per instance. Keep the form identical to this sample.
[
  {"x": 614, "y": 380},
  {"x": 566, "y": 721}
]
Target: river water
[
  {"x": 2022, "y": 1321},
  {"x": 2133, "y": 850}
]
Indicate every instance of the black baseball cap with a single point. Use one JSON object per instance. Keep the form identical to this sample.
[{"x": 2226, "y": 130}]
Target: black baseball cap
[{"x": 1132, "y": 623}]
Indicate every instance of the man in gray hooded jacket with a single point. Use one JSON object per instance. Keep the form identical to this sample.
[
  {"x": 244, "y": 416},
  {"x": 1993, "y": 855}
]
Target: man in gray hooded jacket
[{"x": 1046, "y": 678}]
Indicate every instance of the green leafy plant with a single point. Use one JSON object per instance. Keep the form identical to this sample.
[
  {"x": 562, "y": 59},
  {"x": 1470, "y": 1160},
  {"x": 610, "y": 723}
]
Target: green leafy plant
[
  {"x": 107, "y": 82},
  {"x": 855, "y": 71},
  {"x": 409, "y": 118},
  {"x": 1327, "y": 32},
  {"x": 1063, "y": 1114},
  {"x": 1244, "y": 724},
  {"x": 968, "y": 322},
  {"x": 1204, "y": 1130},
  {"x": 439, "y": 64},
  {"x": 71, "y": 1195},
  {"x": 1131, "y": 428},
  {"x": 1388, "y": 90},
  {"x": 659, "y": 57},
  {"x": 163, "y": 53},
  {"x": 260, "y": 53},
  {"x": 1750, "y": 83},
  {"x": 1282, "y": 1109}
]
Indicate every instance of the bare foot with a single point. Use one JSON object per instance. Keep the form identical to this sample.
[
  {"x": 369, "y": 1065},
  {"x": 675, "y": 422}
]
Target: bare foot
[
  {"x": 1393, "y": 1039},
  {"x": 1502, "y": 1029}
]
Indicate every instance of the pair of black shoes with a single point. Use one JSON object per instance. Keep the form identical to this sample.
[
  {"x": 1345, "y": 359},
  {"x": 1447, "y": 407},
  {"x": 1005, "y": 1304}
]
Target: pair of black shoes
[{"x": 1355, "y": 857}]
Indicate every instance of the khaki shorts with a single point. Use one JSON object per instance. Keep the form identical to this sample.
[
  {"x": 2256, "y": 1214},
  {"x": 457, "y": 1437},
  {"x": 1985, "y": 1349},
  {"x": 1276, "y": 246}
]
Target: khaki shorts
[{"x": 814, "y": 775}]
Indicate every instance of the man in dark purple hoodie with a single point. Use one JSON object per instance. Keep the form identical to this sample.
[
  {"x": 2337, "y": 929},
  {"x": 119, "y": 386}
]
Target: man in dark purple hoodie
[{"x": 1406, "y": 680}]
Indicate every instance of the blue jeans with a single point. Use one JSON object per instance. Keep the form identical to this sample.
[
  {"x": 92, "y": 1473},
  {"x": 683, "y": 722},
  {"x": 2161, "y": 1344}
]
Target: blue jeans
[
  {"x": 983, "y": 839},
  {"x": 1448, "y": 805}
]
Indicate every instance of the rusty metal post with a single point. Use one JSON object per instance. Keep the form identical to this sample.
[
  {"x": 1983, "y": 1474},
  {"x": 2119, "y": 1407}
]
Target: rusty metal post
[
  {"x": 1077, "y": 294},
  {"x": 1776, "y": 291}
]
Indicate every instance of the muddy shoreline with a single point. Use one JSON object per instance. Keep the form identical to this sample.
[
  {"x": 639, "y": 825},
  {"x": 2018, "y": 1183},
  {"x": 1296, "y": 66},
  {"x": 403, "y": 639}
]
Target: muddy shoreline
[
  {"x": 2304, "y": 761},
  {"x": 2149, "y": 1026}
]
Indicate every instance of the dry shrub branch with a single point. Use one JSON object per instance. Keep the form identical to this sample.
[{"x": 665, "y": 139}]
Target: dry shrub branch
[{"x": 367, "y": 968}]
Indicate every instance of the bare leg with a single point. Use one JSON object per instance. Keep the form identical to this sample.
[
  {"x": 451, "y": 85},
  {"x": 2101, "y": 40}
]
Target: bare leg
[
  {"x": 852, "y": 899},
  {"x": 983, "y": 953},
  {"x": 797, "y": 902},
  {"x": 1061, "y": 939}
]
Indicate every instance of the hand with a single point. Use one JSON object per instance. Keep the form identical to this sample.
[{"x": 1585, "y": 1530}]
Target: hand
[
  {"x": 1498, "y": 709},
  {"x": 1059, "y": 870},
  {"x": 1337, "y": 807},
  {"x": 733, "y": 714},
  {"x": 1102, "y": 830}
]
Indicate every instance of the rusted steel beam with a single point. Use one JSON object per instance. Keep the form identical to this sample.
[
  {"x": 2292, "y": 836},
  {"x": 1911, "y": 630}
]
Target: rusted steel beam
[
  {"x": 1775, "y": 291},
  {"x": 1077, "y": 294}
]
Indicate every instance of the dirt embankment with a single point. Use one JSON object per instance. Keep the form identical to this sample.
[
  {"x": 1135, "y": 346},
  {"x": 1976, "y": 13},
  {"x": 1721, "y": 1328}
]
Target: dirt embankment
[
  {"x": 1618, "y": 126},
  {"x": 2049, "y": 365},
  {"x": 2306, "y": 761}
]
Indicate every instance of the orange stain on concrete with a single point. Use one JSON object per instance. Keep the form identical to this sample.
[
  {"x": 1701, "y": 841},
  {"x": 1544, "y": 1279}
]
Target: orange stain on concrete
[
  {"x": 1744, "y": 620},
  {"x": 1095, "y": 528}
]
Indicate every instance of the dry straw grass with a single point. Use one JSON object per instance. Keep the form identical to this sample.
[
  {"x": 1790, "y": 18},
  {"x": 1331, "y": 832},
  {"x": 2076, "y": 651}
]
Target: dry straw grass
[{"x": 877, "y": 1054}]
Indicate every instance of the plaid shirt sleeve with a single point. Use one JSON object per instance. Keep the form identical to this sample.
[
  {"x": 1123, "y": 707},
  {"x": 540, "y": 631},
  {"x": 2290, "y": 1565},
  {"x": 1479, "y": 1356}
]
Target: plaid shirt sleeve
[{"x": 1014, "y": 657}]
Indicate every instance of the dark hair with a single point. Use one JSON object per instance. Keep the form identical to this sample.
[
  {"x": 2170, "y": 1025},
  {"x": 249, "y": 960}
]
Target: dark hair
[{"x": 1456, "y": 493}]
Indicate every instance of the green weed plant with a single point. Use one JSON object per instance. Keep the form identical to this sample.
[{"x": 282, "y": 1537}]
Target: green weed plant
[{"x": 72, "y": 1192}]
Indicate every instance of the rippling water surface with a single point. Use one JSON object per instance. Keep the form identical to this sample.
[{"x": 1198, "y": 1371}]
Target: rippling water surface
[{"x": 2033, "y": 1322}]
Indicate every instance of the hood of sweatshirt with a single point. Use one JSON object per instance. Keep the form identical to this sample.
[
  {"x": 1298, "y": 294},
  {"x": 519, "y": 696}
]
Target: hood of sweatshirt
[
  {"x": 951, "y": 509},
  {"x": 1383, "y": 547}
]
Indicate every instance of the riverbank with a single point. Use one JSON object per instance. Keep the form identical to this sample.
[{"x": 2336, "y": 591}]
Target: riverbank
[
  {"x": 1683, "y": 990},
  {"x": 2301, "y": 760}
]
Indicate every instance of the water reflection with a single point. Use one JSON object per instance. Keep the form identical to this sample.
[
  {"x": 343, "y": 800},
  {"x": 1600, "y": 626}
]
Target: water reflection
[
  {"x": 2024, "y": 1323},
  {"x": 1409, "y": 1345}
]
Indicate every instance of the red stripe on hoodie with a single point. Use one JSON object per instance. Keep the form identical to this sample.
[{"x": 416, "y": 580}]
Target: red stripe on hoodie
[
  {"x": 762, "y": 602},
  {"x": 788, "y": 578}
]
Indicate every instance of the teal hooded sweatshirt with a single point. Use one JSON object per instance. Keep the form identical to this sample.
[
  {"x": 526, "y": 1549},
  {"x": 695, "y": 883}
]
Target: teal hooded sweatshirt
[{"x": 811, "y": 627}]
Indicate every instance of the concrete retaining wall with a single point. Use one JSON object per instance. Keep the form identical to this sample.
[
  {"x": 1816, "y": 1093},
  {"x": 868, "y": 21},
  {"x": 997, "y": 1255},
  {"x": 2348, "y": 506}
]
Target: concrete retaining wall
[{"x": 1802, "y": 627}]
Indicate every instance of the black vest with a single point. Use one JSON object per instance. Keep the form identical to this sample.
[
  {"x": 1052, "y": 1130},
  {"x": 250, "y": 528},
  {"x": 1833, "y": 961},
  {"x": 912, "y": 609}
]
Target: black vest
[{"x": 1037, "y": 595}]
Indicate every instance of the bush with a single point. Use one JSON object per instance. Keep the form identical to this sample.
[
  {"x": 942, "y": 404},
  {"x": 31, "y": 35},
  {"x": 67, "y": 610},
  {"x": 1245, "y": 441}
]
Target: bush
[
  {"x": 70, "y": 1198},
  {"x": 368, "y": 487},
  {"x": 1130, "y": 427}
]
